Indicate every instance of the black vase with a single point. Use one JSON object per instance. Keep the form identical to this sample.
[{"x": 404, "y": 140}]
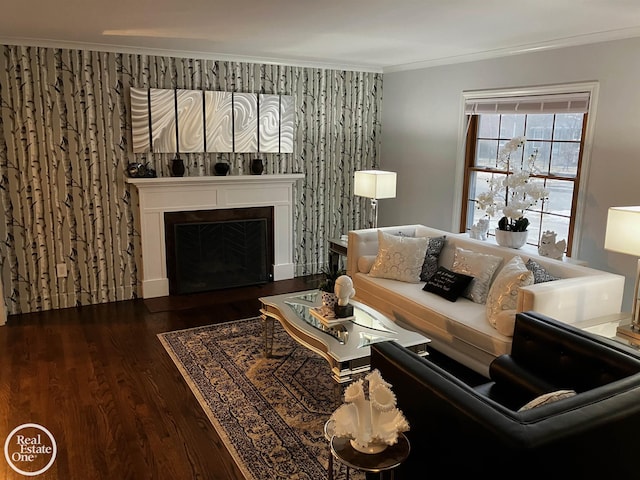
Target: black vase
[
  {"x": 256, "y": 166},
  {"x": 221, "y": 168},
  {"x": 177, "y": 167}
]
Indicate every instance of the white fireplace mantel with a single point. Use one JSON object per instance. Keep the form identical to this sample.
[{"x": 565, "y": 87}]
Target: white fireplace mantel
[{"x": 178, "y": 194}]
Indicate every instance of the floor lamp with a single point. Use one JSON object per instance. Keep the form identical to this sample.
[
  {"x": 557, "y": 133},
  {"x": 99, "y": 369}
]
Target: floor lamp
[
  {"x": 374, "y": 184},
  {"x": 623, "y": 236}
]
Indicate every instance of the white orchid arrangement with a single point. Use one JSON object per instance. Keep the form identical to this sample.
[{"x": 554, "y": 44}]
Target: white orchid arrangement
[{"x": 515, "y": 192}]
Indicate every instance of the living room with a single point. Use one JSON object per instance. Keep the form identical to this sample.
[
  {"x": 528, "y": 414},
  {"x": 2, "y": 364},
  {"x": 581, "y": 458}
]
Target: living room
[{"x": 66, "y": 205}]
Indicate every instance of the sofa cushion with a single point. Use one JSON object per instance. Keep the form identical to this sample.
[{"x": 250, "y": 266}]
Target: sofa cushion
[
  {"x": 399, "y": 258},
  {"x": 447, "y": 284},
  {"x": 480, "y": 266},
  {"x": 540, "y": 274},
  {"x": 502, "y": 298},
  {"x": 430, "y": 264}
]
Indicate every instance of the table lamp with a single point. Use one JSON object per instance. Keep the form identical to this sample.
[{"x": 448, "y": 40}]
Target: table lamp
[
  {"x": 623, "y": 236},
  {"x": 374, "y": 184}
]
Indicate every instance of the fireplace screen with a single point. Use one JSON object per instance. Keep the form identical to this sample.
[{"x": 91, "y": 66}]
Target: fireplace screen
[{"x": 211, "y": 255}]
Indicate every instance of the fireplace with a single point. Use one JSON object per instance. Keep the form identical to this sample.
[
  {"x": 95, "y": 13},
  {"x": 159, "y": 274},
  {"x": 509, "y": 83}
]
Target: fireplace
[
  {"x": 157, "y": 196},
  {"x": 215, "y": 249}
]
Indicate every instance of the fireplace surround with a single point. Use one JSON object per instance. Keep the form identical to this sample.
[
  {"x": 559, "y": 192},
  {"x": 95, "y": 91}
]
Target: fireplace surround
[{"x": 174, "y": 194}]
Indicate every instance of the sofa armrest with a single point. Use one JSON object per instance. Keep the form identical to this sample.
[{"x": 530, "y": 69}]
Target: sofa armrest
[{"x": 574, "y": 299}]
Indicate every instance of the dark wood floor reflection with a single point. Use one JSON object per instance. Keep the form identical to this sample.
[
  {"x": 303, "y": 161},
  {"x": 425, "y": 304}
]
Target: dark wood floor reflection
[{"x": 99, "y": 379}]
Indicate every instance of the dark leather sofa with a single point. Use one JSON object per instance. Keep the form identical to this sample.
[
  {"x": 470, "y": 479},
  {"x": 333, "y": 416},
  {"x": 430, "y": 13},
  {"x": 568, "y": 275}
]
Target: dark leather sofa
[{"x": 458, "y": 429}]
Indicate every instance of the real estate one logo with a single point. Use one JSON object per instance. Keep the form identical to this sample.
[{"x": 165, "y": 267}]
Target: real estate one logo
[{"x": 30, "y": 449}]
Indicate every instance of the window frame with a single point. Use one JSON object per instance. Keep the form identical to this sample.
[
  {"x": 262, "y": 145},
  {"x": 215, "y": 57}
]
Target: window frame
[{"x": 462, "y": 184}]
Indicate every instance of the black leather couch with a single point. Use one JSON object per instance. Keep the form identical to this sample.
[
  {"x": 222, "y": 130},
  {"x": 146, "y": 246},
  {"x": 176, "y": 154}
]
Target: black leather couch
[{"x": 458, "y": 429}]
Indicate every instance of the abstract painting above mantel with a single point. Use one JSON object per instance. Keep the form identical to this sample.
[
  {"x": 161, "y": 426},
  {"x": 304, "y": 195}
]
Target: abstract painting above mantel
[{"x": 183, "y": 121}]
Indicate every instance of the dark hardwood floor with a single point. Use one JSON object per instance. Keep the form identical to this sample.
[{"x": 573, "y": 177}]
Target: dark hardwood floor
[{"x": 99, "y": 379}]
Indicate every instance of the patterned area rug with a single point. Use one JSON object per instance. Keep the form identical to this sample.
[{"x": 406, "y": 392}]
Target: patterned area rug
[{"x": 269, "y": 411}]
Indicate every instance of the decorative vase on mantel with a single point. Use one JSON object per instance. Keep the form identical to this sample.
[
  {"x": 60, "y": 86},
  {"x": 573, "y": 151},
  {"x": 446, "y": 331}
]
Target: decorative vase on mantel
[
  {"x": 511, "y": 239},
  {"x": 221, "y": 168},
  {"x": 177, "y": 167},
  {"x": 256, "y": 166}
]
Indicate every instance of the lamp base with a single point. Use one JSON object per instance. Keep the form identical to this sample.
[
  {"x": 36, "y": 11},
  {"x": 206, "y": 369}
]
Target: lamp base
[{"x": 630, "y": 331}]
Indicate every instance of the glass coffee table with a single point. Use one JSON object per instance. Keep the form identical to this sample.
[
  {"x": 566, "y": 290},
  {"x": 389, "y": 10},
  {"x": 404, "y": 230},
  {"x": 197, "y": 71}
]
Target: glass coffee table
[{"x": 344, "y": 345}]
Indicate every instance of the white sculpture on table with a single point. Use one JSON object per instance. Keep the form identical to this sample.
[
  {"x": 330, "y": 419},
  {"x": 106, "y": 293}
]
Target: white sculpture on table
[
  {"x": 344, "y": 289},
  {"x": 549, "y": 247},
  {"x": 371, "y": 424},
  {"x": 480, "y": 230}
]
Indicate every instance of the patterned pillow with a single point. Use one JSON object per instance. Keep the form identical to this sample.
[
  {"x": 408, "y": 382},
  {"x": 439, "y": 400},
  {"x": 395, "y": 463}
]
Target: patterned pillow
[
  {"x": 503, "y": 294},
  {"x": 399, "y": 258},
  {"x": 430, "y": 264},
  {"x": 480, "y": 266},
  {"x": 540, "y": 274}
]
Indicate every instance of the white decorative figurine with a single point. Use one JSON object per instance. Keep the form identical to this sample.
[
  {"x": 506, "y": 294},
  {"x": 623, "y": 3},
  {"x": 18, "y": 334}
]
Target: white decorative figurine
[
  {"x": 480, "y": 230},
  {"x": 371, "y": 424},
  {"x": 549, "y": 247},
  {"x": 344, "y": 289}
]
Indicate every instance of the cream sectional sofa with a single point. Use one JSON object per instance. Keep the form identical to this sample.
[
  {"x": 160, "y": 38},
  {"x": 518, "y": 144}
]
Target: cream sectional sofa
[{"x": 461, "y": 329}]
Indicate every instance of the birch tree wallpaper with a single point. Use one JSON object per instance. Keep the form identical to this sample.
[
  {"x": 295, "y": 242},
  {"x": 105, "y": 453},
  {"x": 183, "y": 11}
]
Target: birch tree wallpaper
[{"x": 65, "y": 142}]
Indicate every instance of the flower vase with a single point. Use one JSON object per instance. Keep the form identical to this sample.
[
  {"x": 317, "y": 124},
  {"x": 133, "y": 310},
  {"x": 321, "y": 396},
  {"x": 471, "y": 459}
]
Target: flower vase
[
  {"x": 221, "y": 168},
  {"x": 507, "y": 238},
  {"x": 177, "y": 167},
  {"x": 256, "y": 166},
  {"x": 329, "y": 299}
]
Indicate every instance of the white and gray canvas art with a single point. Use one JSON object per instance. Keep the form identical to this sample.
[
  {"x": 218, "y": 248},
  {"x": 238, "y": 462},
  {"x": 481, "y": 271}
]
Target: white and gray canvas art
[{"x": 170, "y": 121}]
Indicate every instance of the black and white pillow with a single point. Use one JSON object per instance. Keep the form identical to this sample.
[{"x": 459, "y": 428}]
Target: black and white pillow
[
  {"x": 447, "y": 284},
  {"x": 430, "y": 264}
]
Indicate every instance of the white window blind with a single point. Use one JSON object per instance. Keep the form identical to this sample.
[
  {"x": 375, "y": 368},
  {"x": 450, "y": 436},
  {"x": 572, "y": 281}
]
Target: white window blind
[{"x": 577, "y": 102}]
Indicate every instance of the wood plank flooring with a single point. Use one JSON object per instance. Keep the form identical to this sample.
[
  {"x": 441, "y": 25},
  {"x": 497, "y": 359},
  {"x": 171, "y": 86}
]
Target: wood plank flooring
[{"x": 98, "y": 378}]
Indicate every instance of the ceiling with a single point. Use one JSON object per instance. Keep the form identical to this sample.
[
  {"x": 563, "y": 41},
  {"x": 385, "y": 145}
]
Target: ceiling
[{"x": 369, "y": 35}]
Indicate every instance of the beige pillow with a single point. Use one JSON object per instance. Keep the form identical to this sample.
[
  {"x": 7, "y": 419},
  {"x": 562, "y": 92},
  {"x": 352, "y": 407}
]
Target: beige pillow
[
  {"x": 480, "y": 266},
  {"x": 399, "y": 258},
  {"x": 365, "y": 262},
  {"x": 502, "y": 299},
  {"x": 547, "y": 398}
]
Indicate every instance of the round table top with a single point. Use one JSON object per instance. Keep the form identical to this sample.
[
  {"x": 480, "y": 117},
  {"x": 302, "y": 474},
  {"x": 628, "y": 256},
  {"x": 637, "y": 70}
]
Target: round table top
[{"x": 390, "y": 458}]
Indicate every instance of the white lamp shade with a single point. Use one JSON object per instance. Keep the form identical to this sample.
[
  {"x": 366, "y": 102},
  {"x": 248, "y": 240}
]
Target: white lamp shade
[
  {"x": 623, "y": 230},
  {"x": 374, "y": 184}
]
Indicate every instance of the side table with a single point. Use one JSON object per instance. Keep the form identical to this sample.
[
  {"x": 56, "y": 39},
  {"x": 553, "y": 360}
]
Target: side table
[
  {"x": 337, "y": 248},
  {"x": 387, "y": 460}
]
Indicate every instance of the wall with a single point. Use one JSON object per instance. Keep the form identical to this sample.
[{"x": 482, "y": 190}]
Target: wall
[
  {"x": 421, "y": 123},
  {"x": 65, "y": 142}
]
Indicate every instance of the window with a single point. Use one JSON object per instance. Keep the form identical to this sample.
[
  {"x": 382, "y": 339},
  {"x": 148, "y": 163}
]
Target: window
[{"x": 555, "y": 128}]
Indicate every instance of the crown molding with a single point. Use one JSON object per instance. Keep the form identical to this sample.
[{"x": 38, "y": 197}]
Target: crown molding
[
  {"x": 103, "y": 47},
  {"x": 574, "y": 41}
]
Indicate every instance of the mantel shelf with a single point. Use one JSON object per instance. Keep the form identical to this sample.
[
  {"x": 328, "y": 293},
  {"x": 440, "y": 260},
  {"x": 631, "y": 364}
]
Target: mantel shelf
[{"x": 213, "y": 179}]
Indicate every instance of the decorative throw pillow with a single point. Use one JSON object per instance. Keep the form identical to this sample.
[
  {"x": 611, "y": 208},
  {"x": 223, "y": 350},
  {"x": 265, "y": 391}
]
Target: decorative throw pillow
[
  {"x": 365, "y": 262},
  {"x": 547, "y": 398},
  {"x": 480, "y": 266},
  {"x": 503, "y": 294},
  {"x": 540, "y": 274},
  {"x": 447, "y": 284},
  {"x": 399, "y": 258},
  {"x": 430, "y": 264}
]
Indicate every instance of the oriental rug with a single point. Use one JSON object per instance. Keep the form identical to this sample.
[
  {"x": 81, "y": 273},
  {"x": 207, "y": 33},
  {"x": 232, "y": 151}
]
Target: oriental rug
[{"x": 270, "y": 412}]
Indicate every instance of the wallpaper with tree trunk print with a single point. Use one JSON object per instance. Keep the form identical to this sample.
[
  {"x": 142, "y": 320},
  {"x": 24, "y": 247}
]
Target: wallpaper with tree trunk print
[{"x": 65, "y": 142}]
